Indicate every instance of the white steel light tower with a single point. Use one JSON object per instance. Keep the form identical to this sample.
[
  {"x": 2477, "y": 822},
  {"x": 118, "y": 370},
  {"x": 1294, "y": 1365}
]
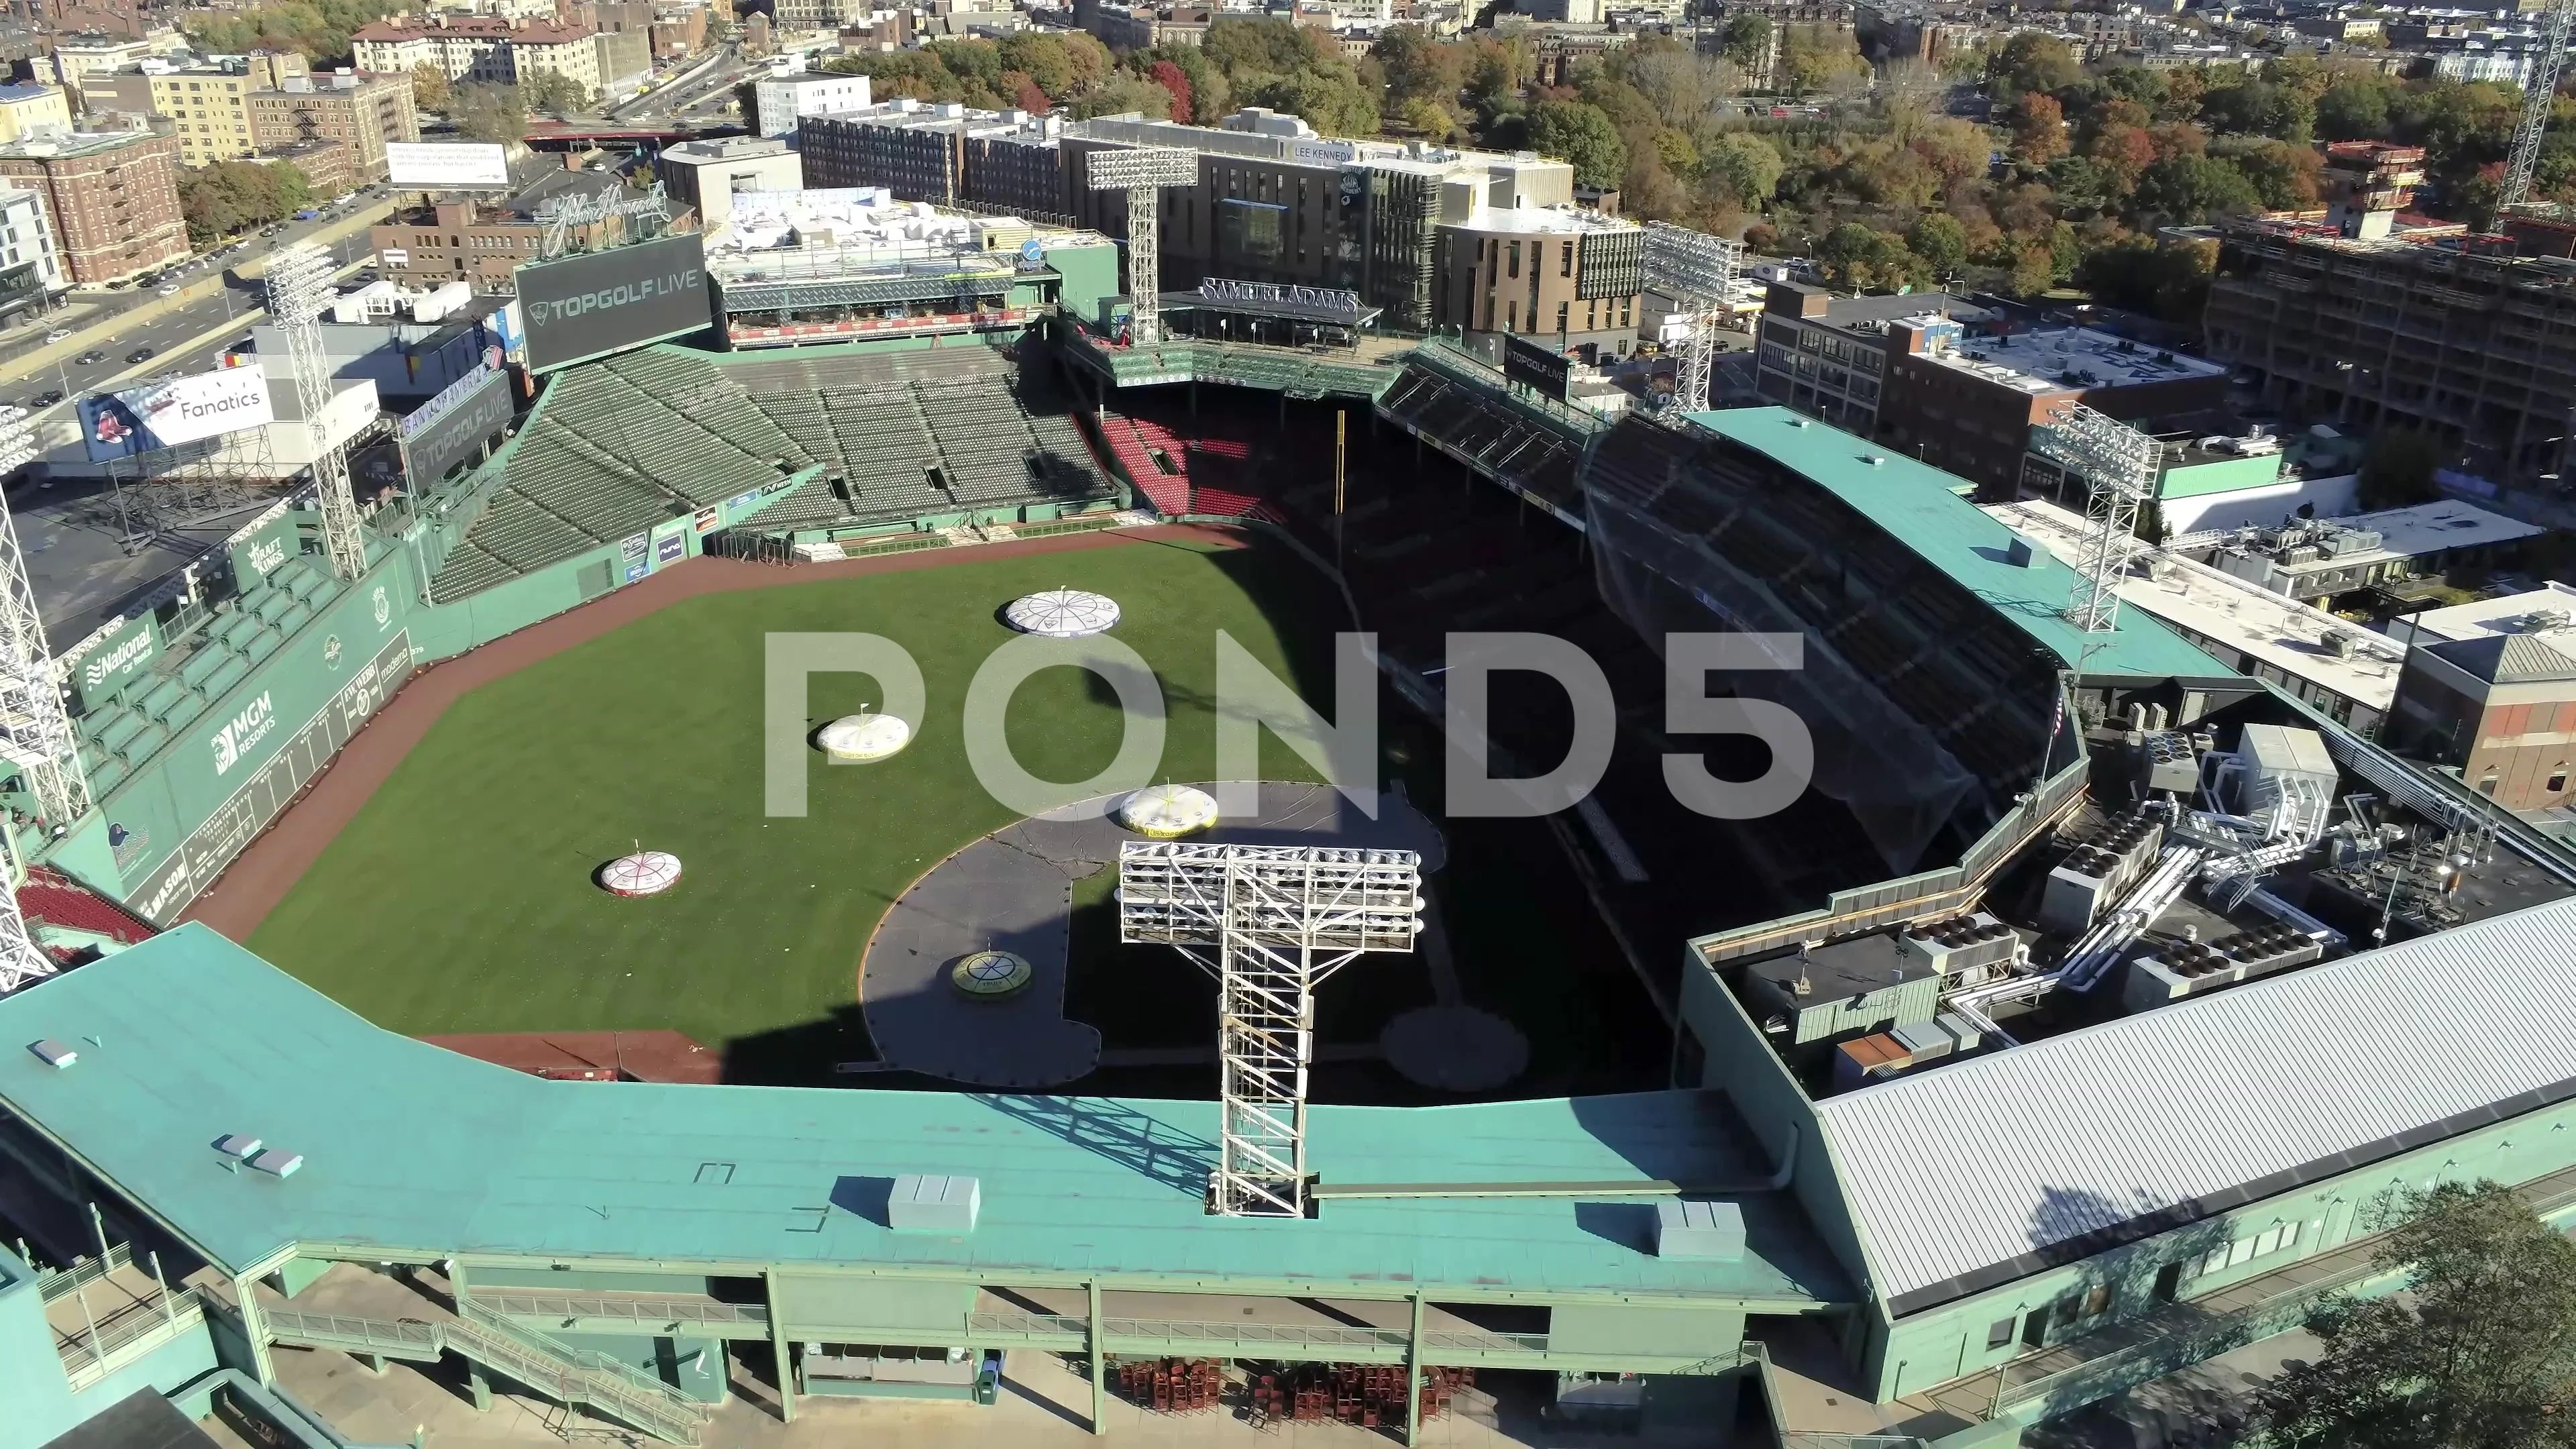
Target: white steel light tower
[
  {"x": 299, "y": 287},
  {"x": 1697, "y": 271},
  {"x": 2119, "y": 466},
  {"x": 2539, "y": 95},
  {"x": 1143, "y": 172},
  {"x": 35, "y": 734},
  {"x": 1280, "y": 919}
]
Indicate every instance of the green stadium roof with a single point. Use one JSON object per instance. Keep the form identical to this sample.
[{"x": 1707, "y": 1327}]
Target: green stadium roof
[
  {"x": 188, "y": 1037},
  {"x": 1921, "y": 507}
]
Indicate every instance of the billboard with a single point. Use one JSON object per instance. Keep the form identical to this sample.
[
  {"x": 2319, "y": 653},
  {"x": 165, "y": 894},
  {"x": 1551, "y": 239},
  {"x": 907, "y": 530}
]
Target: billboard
[
  {"x": 174, "y": 410},
  {"x": 264, "y": 547},
  {"x": 1537, "y": 365},
  {"x": 20, "y": 288},
  {"x": 446, "y": 165},
  {"x": 453, "y": 427},
  {"x": 105, "y": 661},
  {"x": 589, "y": 306}
]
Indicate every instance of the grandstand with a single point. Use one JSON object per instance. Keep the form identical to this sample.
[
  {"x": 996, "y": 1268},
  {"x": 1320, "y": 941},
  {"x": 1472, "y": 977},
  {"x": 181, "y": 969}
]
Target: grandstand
[
  {"x": 847, "y": 440},
  {"x": 1204, "y": 471},
  {"x": 1456, "y": 403}
]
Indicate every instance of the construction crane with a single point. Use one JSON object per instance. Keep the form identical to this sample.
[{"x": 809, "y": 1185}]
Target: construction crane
[{"x": 2539, "y": 97}]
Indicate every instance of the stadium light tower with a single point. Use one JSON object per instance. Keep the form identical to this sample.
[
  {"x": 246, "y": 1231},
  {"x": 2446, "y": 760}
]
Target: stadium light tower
[
  {"x": 1280, "y": 919},
  {"x": 299, "y": 287},
  {"x": 35, "y": 733},
  {"x": 2119, "y": 466},
  {"x": 1697, "y": 271},
  {"x": 1142, "y": 172}
]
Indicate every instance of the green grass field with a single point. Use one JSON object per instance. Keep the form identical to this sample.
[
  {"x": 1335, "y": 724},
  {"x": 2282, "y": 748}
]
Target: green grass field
[{"x": 460, "y": 899}]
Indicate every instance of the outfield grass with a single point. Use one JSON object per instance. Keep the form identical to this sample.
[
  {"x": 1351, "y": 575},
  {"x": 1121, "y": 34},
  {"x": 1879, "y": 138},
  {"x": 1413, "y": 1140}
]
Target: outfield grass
[{"x": 460, "y": 898}]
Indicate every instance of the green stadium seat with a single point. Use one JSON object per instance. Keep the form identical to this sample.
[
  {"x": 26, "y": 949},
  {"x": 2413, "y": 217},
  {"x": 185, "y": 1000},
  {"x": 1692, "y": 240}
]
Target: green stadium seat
[{"x": 231, "y": 671}]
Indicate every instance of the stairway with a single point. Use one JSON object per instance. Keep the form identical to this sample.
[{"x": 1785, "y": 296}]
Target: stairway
[{"x": 571, "y": 1376}]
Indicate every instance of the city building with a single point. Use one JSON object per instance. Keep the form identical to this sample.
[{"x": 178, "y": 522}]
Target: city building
[
  {"x": 327, "y": 166},
  {"x": 79, "y": 55},
  {"x": 27, "y": 110},
  {"x": 2490, "y": 693},
  {"x": 2457, "y": 336},
  {"x": 1568, "y": 276},
  {"x": 2317, "y": 559},
  {"x": 209, "y": 106},
  {"x": 30, "y": 273},
  {"x": 498, "y": 49},
  {"x": 1958, "y": 385},
  {"x": 364, "y": 113},
  {"x": 705, "y": 174},
  {"x": 111, "y": 198},
  {"x": 625, "y": 59},
  {"x": 779, "y": 101},
  {"x": 2339, "y": 669},
  {"x": 482, "y": 242}
]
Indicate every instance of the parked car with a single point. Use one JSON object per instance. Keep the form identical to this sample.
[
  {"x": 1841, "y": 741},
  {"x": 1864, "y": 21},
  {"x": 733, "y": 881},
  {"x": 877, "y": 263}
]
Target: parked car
[
  {"x": 167, "y": 289},
  {"x": 140, "y": 354},
  {"x": 58, "y": 334}
]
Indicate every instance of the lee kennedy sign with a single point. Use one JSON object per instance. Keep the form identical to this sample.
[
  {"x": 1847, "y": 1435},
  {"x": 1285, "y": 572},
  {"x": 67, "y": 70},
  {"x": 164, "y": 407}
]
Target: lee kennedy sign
[
  {"x": 590, "y": 306},
  {"x": 173, "y": 411}
]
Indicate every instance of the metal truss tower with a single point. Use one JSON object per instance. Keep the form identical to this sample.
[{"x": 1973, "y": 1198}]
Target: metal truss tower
[
  {"x": 299, "y": 287},
  {"x": 1143, "y": 172},
  {"x": 36, "y": 736},
  {"x": 2119, "y": 466},
  {"x": 1280, "y": 919},
  {"x": 1698, "y": 272},
  {"x": 2539, "y": 95}
]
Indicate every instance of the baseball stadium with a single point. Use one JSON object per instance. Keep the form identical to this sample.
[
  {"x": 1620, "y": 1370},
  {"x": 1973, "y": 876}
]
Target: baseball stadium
[{"x": 482, "y": 1002}]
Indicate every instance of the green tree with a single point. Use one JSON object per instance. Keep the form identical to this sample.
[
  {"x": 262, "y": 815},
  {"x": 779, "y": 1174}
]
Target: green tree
[
  {"x": 1578, "y": 133},
  {"x": 1744, "y": 168},
  {"x": 294, "y": 188},
  {"x": 1331, "y": 100},
  {"x": 556, "y": 94},
  {"x": 2354, "y": 108},
  {"x": 2193, "y": 189},
  {"x": 1863, "y": 257},
  {"x": 1815, "y": 57},
  {"x": 1264, "y": 46},
  {"x": 2034, "y": 271},
  {"x": 491, "y": 113},
  {"x": 1430, "y": 118},
  {"x": 2480, "y": 1353},
  {"x": 1418, "y": 65},
  {"x": 1942, "y": 243},
  {"x": 1123, "y": 94},
  {"x": 1745, "y": 39},
  {"x": 318, "y": 30},
  {"x": 430, "y": 90},
  {"x": 2031, "y": 61}
]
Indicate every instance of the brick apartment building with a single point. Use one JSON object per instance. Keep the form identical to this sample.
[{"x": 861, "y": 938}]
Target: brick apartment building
[
  {"x": 490, "y": 48},
  {"x": 362, "y": 113},
  {"x": 113, "y": 200}
]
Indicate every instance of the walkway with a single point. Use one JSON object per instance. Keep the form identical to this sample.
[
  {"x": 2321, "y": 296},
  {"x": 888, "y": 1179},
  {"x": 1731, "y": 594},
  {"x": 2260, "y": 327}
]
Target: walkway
[{"x": 1013, "y": 891}]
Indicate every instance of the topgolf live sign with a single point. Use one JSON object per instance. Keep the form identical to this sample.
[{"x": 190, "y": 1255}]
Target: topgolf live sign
[
  {"x": 446, "y": 165},
  {"x": 589, "y": 306},
  {"x": 172, "y": 411}
]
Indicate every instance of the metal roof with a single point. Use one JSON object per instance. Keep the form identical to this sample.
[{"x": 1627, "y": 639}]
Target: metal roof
[
  {"x": 1922, "y": 507},
  {"x": 1969, "y": 1175},
  {"x": 188, "y": 1037}
]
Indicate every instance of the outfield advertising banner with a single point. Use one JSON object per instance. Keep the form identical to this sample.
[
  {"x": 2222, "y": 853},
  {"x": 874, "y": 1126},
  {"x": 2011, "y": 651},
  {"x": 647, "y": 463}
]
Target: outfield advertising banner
[
  {"x": 172, "y": 411},
  {"x": 590, "y": 306},
  {"x": 452, "y": 430},
  {"x": 264, "y": 547},
  {"x": 264, "y": 787},
  {"x": 108, "y": 659}
]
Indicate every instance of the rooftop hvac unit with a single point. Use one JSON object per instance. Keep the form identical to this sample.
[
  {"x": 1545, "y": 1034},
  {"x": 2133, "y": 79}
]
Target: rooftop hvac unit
[
  {"x": 2194, "y": 967},
  {"x": 2166, "y": 762},
  {"x": 1957, "y": 946},
  {"x": 2351, "y": 541}
]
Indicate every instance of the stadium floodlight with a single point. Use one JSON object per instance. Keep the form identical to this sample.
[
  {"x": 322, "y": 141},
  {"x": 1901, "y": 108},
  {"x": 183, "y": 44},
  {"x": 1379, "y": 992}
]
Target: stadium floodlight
[
  {"x": 35, "y": 732},
  {"x": 1143, "y": 172},
  {"x": 2119, "y": 467},
  {"x": 1281, "y": 918},
  {"x": 1697, "y": 271},
  {"x": 299, "y": 288}
]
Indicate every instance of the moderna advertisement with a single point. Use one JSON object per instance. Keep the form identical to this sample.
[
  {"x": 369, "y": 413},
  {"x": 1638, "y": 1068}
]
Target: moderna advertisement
[
  {"x": 173, "y": 411},
  {"x": 590, "y": 306}
]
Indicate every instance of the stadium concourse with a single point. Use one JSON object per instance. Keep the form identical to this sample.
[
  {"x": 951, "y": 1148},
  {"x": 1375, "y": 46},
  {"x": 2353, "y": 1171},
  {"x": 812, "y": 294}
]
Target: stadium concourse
[{"x": 1846, "y": 1197}]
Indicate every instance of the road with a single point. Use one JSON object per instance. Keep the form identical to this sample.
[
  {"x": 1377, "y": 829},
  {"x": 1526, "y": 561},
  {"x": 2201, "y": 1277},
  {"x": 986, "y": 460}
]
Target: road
[
  {"x": 237, "y": 299},
  {"x": 703, "y": 89}
]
